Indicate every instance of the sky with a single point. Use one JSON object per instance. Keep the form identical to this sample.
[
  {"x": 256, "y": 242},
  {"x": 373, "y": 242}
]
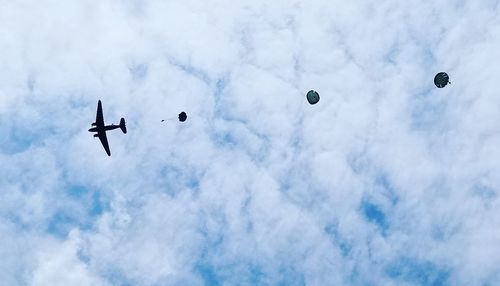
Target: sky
[{"x": 387, "y": 180}]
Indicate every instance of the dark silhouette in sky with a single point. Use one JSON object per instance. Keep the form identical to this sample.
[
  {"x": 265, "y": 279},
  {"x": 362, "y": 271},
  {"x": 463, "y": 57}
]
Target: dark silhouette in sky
[
  {"x": 441, "y": 79},
  {"x": 101, "y": 129},
  {"x": 182, "y": 116},
  {"x": 312, "y": 97}
]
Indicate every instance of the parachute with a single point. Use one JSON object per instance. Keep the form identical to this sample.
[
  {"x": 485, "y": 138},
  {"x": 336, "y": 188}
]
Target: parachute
[
  {"x": 441, "y": 79},
  {"x": 182, "y": 116},
  {"x": 312, "y": 97}
]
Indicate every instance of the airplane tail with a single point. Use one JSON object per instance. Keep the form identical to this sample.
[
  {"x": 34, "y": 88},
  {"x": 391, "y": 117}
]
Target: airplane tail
[{"x": 122, "y": 126}]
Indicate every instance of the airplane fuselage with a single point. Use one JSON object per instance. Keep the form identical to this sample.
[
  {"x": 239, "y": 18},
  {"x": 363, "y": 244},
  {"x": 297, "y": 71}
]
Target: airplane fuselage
[{"x": 106, "y": 128}]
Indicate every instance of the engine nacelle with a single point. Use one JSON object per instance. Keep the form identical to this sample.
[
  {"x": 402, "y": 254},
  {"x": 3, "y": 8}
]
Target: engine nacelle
[
  {"x": 96, "y": 136},
  {"x": 94, "y": 124}
]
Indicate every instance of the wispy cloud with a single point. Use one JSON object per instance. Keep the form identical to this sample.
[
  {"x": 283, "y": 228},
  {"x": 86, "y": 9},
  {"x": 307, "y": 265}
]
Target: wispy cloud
[{"x": 386, "y": 181}]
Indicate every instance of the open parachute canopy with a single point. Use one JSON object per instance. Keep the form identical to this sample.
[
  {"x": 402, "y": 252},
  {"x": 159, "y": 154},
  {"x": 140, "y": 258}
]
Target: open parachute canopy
[
  {"x": 441, "y": 79},
  {"x": 312, "y": 97},
  {"x": 182, "y": 116}
]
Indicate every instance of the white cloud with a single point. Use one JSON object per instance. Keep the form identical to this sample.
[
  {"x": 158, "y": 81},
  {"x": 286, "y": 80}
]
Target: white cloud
[
  {"x": 59, "y": 264},
  {"x": 387, "y": 180}
]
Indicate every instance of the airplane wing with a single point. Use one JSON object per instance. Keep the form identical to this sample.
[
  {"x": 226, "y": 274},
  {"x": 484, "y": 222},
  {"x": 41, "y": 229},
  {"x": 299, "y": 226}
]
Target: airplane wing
[
  {"x": 104, "y": 141},
  {"x": 99, "y": 119},
  {"x": 99, "y": 122}
]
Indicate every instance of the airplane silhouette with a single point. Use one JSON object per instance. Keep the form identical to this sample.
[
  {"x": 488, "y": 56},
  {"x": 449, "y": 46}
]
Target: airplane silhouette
[{"x": 101, "y": 129}]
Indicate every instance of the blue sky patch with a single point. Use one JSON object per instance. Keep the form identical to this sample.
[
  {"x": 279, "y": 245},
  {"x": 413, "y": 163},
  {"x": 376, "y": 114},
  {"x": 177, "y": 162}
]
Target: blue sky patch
[
  {"x": 336, "y": 238},
  {"x": 375, "y": 215},
  {"x": 417, "y": 272},
  {"x": 208, "y": 274}
]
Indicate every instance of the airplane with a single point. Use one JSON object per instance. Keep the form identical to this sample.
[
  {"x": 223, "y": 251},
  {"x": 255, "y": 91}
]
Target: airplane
[{"x": 100, "y": 128}]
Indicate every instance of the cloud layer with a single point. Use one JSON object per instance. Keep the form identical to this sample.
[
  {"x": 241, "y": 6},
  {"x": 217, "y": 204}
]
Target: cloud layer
[{"x": 386, "y": 181}]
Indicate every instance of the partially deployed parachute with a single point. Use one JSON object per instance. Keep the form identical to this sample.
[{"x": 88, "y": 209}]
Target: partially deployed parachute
[
  {"x": 312, "y": 97},
  {"x": 182, "y": 116},
  {"x": 441, "y": 79}
]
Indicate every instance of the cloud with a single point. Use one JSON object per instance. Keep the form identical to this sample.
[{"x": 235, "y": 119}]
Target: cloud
[{"x": 386, "y": 181}]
